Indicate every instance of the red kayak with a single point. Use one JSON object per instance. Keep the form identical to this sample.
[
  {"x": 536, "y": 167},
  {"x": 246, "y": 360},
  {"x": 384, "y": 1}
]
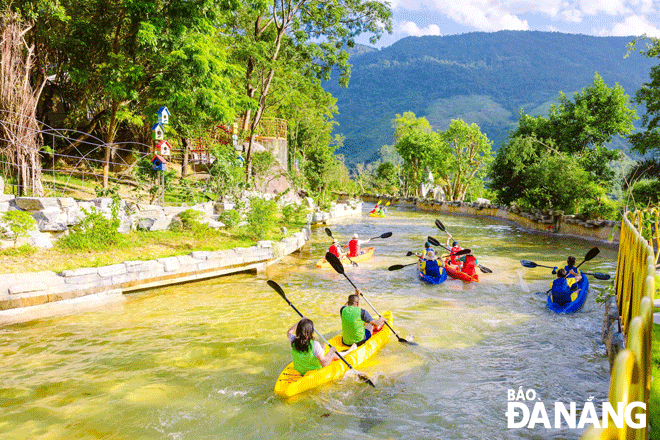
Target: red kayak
[{"x": 455, "y": 272}]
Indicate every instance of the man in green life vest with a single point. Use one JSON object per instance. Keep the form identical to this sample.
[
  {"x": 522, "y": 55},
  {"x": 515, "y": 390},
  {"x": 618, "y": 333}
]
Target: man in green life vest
[
  {"x": 353, "y": 320},
  {"x": 306, "y": 352}
]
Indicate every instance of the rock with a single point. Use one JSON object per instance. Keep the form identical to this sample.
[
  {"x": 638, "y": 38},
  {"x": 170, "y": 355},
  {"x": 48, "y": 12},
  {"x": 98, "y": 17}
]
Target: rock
[
  {"x": 36, "y": 203},
  {"x": 40, "y": 240}
]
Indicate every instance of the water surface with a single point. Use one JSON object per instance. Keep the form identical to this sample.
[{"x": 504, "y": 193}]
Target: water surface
[{"x": 200, "y": 360}]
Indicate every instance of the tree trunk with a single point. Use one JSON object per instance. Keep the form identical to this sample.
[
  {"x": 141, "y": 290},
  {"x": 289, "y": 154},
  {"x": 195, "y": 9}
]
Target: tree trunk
[
  {"x": 184, "y": 165},
  {"x": 110, "y": 138}
]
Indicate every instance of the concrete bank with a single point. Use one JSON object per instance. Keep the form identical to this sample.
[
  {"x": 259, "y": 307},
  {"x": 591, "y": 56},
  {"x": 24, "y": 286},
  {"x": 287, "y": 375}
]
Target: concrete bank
[
  {"x": 34, "y": 295},
  {"x": 545, "y": 221}
]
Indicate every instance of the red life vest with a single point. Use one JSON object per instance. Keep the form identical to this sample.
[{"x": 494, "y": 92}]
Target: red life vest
[
  {"x": 333, "y": 250},
  {"x": 353, "y": 248},
  {"x": 453, "y": 254},
  {"x": 469, "y": 265}
]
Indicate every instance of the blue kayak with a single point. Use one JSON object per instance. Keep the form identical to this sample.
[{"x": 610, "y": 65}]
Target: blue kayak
[
  {"x": 432, "y": 280},
  {"x": 576, "y": 304}
]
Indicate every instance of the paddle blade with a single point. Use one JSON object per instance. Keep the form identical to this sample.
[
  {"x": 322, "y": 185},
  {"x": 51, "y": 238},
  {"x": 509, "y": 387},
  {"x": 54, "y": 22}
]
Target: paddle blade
[
  {"x": 591, "y": 254},
  {"x": 409, "y": 253},
  {"x": 601, "y": 276},
  {"x": 386, "y": 235},
  {"x": 396, "y": 267},
  {"x": 440, "y": 226},
  {"x": 528, "y": 263},
  {"x": 276, "y": 287},
  {"x": 463, "y": 252},
  {"x": 433, "y": 241},
  {"x": 328, "y": 231},
  {"x": 404, "y": 341},
  {"x": 334, "y": 262},
  {"x": 388, "y": 203},
  {"x": 484, "y": 269}
]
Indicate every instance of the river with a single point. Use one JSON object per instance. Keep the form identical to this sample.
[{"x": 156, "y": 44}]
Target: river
[{"x": 199, "y": 360}]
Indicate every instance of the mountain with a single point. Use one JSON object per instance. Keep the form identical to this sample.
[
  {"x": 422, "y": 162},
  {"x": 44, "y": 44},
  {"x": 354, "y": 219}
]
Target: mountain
[{"x": 486, "y": 78}]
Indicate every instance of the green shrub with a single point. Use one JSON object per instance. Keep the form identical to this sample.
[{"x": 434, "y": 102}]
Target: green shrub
[
  {"x": 230, "y": 218},
  {"x": 294, "y": 214},
  {"x": 261, "y": 218},
  {"x": 600, "y": 209},
  {"x": 95, "y": 231},
  {"x": 190, "y": 218},
  {"x": 20, "y": 223},
  {"x": 646, "y": 192}
]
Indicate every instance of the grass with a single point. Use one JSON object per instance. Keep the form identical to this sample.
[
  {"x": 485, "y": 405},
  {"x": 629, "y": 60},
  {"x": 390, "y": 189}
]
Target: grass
[
  {"x": 136, "y": 245},
  {"x": 654, "y": 401}
]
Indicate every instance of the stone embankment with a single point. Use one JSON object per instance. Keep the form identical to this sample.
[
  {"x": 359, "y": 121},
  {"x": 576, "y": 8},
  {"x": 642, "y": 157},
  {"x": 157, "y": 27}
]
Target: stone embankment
[
  {"x": 33, "y": 295},
  {"x": 546, "y": 221}
]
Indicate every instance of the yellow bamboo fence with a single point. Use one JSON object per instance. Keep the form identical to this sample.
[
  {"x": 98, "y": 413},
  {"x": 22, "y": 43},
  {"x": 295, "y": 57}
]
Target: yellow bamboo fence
[{"x": 635, "y": 288}]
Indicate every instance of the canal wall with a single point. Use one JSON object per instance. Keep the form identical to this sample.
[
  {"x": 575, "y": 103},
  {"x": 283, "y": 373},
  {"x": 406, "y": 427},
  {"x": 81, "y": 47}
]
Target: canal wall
[
  {"x": 544, "y": 221},
  {"x": 33, "y": 295}
]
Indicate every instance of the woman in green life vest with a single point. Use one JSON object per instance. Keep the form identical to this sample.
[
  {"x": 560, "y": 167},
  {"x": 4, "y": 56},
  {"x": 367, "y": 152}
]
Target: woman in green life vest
[
  {"x": 307, "y": 353},
  {"x": 353, "y": 320}
]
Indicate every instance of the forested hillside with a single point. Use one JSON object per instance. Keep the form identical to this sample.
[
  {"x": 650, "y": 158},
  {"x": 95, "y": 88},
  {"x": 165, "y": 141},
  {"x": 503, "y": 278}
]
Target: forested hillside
[{"x": 485, "y": 78}]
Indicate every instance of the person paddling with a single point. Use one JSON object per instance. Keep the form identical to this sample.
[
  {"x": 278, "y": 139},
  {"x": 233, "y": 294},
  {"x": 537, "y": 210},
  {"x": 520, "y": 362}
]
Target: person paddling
[
  {"x": 307, "y": 353},
  {"x": 373, "y": 211},
  {"x": 334, "y": 249},
  {"x": 570, "y": 265},
  {"x": 564, "y": 287},
  {"x": 454, "y": 248},
  {"x": 469, "y": 264},
  {"x": 354, "y": 246},
  {"x": 431, "y": 267},
  {"x": 353, "y": 320}
]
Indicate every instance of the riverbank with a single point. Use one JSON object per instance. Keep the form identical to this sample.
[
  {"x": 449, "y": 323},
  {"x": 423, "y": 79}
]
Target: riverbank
[
  {"x": 605, "y": 232},
  {"x": 31, "y": 295}
]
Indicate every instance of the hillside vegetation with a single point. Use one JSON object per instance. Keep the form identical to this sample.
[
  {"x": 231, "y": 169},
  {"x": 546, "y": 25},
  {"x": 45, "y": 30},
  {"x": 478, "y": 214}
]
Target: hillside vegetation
[{"x": 485, "y": 78}]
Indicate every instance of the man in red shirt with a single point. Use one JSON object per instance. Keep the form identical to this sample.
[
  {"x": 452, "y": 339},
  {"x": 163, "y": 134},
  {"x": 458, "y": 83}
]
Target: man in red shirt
[
  {"x": 334, "y": 249},
  {"x": 455, "y": 248},
  {"x": 354, "y": 246}
]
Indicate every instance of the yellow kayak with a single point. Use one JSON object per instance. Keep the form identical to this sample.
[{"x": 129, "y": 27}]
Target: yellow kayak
[
  {"x": 368, "y": 253},
  {"x": 290, "y": 382},
  {"x": 373, "y": 214}
]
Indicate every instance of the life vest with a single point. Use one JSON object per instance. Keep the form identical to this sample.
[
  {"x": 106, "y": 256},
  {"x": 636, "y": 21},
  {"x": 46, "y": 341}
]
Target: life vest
[
  {"x": 353, "y": 248},
  {"x": 453, "y": 254},
  {"x": 561, "y": 291},
  {"x": 432, "y": 268},
  {"x": 426, "y": 251},
  {"x": 352, "y": 327},
  {"x": 304, "y": 361},
  {"x": 568, "y": 269},
  {"x": 469, "y": 265},
  {"x": 334, "y": 250}
]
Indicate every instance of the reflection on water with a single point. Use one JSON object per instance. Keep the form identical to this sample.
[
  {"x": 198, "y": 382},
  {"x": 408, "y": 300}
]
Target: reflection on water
[{"x": 200, "y": 360}]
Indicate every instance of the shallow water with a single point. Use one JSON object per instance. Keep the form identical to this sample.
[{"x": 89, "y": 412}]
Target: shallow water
[{"x": 200, "y": 360}]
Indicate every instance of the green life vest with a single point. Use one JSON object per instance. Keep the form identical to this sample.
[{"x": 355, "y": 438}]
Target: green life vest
[
  {"x": 304, "y": 361},
  {"x": 352, "y": 327}
]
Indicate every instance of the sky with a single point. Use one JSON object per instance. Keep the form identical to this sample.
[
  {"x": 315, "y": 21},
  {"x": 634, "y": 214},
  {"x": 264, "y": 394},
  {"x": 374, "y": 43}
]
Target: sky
[{"x": 589, "y": 17}]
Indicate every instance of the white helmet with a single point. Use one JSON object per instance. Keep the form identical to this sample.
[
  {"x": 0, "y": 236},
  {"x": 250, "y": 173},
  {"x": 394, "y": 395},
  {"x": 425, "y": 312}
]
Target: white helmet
[{"x": 355, "y": 236}]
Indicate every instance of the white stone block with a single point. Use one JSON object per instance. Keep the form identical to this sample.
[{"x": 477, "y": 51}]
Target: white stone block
[
  {"x": 170, "y": 264},
  {"x": 109, "y": 271}
]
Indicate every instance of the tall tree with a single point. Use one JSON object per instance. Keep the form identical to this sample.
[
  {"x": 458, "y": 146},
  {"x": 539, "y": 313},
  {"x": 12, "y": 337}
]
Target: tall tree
[
  {"x": 306, "y": 35},
  {"x": 471, "y": 153},
  {"x": 573, "y": 134}
]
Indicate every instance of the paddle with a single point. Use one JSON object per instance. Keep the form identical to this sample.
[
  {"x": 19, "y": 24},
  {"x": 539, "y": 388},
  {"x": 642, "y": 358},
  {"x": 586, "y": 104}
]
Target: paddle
[
  {"x": 401, "y": 266},
  {"x": 329, "y": 232},
  {"x": 590, "y": 255},
  {"x": 597, "y": 275},
  {"x": 440, "y": 226},
  {"x": 279, "y": 290},
  {"x": 336, "y": 264},
  {"x": 384, "y": 235}
]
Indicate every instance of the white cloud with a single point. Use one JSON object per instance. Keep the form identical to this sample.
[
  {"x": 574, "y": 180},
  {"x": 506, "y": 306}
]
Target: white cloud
[
  {"x": 634, "y": 25},
  {"x": 609, "y": 7},
  {"x": 572, "y": 15},
  {"x": 410, "y": 28}
]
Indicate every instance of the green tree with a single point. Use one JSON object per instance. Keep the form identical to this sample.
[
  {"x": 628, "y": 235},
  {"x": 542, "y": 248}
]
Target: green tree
[
  {"x": 419, "y": 147},
  {"x": 305, "y": 36},
  {"x": 471, "y": 153},
  {"x": 647, "y": 142},
  {"x": 572, "y": 137}
]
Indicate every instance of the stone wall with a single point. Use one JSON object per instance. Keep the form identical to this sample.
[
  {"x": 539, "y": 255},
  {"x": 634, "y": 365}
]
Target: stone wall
[
  {"x": 31, "y": 291},
  {"x": 546, "y": 221}
]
